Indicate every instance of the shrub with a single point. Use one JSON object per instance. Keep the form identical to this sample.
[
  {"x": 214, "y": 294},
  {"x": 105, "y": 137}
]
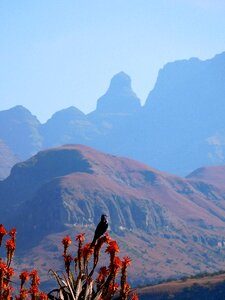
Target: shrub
[
  {"x": 7, "y": 272},
  {"x": 81, "y": 284}
]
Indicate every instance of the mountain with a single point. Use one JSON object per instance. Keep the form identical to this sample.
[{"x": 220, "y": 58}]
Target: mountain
[
  {"x": 168, "y": 225},
  {"x": 181, "y": 126},
  {"x": 184, "y": 115},
  {"x": 118, "y": 104},
  {"x": 119, "y": 97},
  {"x": 179, "y": 129},
  {"x": 7, "y": 160},
  {"x": 69, "y": 125},
  {"x": 212, "y": 174},
  {"x": 19, "y": 129}
]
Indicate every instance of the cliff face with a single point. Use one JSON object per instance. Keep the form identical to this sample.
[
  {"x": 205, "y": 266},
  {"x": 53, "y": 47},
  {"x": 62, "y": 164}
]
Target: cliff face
[
  {"x": 178, "y": 222},
  {"x": 7, "y": 160}
]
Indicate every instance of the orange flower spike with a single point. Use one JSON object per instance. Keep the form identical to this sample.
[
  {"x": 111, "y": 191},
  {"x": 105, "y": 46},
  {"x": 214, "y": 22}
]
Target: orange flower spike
[
  {"x": 112, "y": 247},
  {"x": 117, "y": 262},
  {"x": 67, "y": 260},
  {"x": 10, "y": 246},
  {"x": 9, "y": 272},
  {"x": 126, "y": 261},
  {"x": 2, "y": 233},
  {"x": 12, "y": 233},
  {"x": 113, "y": 288},
  {"x": 35, "y": 279},
  {"x": 134, "y": 297},
  {"x": 3, "y": 268},
  {"x": 87, "y": 251},
  {"x": 34, "y": 291},
  {"x": 66, "y": 241},
  {"x": 103, "y": 272},
  {"x": 7, "y": 294},
  {"x": 23, "y": 295},
  {"x": 80, "y": 237},
  {"x": 24, "y": 276},
  {"x": 43, "y": 296}
]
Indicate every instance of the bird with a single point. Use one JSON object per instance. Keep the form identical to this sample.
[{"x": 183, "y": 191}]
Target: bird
[{"x": 100, "y": 229}]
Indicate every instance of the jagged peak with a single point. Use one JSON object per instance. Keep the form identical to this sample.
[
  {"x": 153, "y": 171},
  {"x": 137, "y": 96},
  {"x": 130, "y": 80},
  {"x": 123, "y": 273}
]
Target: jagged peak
[{"x": 119, "y": 98}]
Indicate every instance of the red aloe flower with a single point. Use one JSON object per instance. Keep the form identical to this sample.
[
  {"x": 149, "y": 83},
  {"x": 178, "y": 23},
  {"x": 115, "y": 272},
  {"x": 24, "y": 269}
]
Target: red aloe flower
[
  {"x": 35, "y": 279},
  {"x": 67, "y": 260},
  {"x": 80, "y": 237},
  {"x": 3, "y": 268},
  {"x": 34, "y": 291},
  {"x": 134, "y": 297},
  {"x": 43, "y": 296},
  {"x": 7, "y": 294},
  {"x": 2, "y": 233},
  {"x": 66, "y": 241},
  {"x": 115, "y": 266},
  {"x": 113, "y": 288},
  {"x": 11, "y": 246},
  {"x": 103, "y": 272},
  {"x": 112, "y": 247},
  {"x": 117, "y": 262},
  {"x": 125, "y": 288},
  {"x": 126, "y": 261},
  {"x": 12, "y": 233},
  {"x": 23, "y": 295},
  {"x": 9, "y": 272},
  {"x": 24, "y": 276},
  {"x": 86, "y": 253}
]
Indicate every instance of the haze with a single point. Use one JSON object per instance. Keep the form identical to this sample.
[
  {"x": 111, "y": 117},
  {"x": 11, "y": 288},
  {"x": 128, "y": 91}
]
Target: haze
[{"x": 55, "y": 54}]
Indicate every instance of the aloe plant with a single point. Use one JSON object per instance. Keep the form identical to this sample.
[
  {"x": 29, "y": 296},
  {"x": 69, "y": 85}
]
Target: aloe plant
[{"x": 82, "y": 284}]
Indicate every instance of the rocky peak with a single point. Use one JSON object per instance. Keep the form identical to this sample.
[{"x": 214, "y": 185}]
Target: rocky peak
[
  {"x": 67, "y": 114},
  {"x": 119, "y": 97}
]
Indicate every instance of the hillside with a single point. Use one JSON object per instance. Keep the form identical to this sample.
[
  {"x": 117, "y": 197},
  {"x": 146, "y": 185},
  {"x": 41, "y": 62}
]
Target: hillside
[
  {"x": 209, "y": 287},
  {"x": 178, "y": 222}
]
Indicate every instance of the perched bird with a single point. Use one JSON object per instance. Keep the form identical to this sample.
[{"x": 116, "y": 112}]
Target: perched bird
[{"x": 100, "y": 229}]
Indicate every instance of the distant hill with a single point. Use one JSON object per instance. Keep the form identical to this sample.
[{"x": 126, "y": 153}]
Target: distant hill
[
  {"x": 19, "y": 129},
  {"x": 209, "y": 287},
  {"x": 181, "y": 126},
  {"x": 184, "y": 115},
  {"x": 68, "y": 126},
  {"x": 178, "y": 222},
  {"x": 179, "y": 129},
  {"x": 212, "y": 174},
  {"x": 7, "y": 160}
]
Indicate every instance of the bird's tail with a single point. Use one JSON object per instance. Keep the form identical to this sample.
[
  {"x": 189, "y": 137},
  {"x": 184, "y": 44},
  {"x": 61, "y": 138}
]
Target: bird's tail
[{"x": 93, "y": 243}]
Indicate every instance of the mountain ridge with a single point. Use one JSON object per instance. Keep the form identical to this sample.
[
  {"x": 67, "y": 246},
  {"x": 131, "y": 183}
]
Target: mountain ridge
[
  {"x": 179, "y": 128},
  {"x": 179, "y": 222}
]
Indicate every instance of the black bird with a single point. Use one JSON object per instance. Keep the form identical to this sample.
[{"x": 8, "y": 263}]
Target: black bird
[{"x": 100, "y": 229}]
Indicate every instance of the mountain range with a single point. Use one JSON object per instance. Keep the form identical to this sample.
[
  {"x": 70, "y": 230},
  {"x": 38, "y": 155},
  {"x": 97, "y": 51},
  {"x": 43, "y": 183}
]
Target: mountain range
[
  {"x": 168, "y": 225},
  {"x": 178, "y": 129}
]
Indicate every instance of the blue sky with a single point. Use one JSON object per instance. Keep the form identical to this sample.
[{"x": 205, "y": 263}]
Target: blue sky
[{"x": 59, "y": 53}]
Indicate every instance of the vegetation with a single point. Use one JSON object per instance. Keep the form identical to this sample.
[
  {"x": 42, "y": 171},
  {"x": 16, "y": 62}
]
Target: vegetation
[{"x": 78, "y": 284}]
